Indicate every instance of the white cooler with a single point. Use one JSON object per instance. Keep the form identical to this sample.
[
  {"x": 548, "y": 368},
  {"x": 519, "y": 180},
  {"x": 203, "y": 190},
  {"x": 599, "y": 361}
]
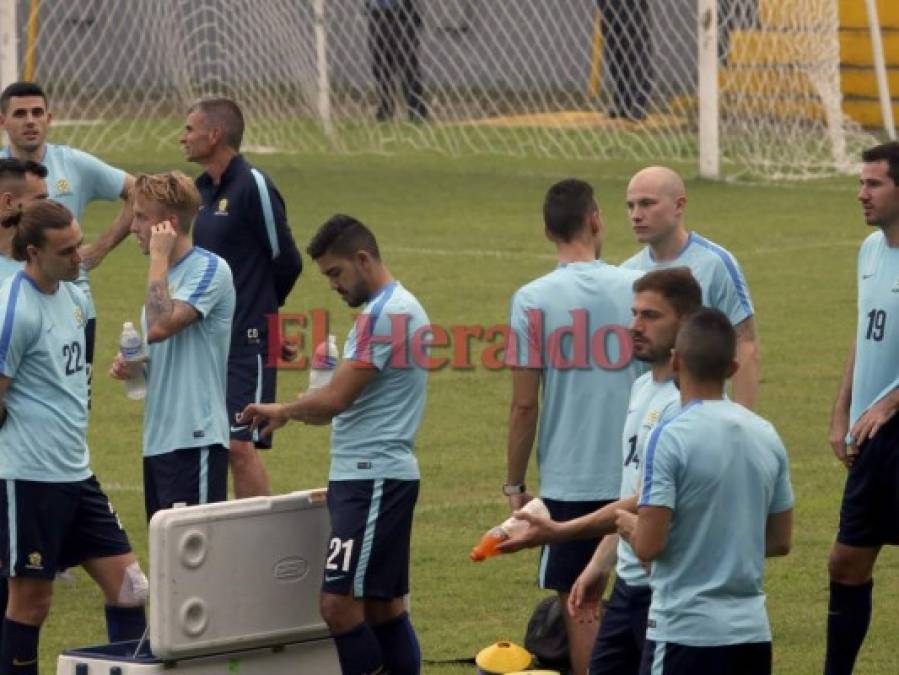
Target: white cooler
[{"x": 234, "y": 590}]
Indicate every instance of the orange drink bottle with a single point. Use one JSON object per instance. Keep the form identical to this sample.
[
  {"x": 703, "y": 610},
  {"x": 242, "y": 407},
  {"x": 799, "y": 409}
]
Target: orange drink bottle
[{"x": 487, "y": 546}]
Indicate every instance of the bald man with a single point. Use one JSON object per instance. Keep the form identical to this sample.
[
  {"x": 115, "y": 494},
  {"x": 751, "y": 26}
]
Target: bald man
[{"x": 656, "y": 202}]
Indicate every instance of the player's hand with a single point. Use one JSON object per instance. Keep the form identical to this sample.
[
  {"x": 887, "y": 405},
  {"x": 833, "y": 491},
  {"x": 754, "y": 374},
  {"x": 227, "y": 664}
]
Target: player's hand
[
  {"x": 872, "y": 420},
  {"x": 162, "y": 239},
  {"x": 264, "y": 416},
  {"x": 585, "y": 597},
  {"x": 626, "y": 522},
  {"x": 839, "y": 427},
  {"x": 517, "y": 502},
  {"x": 540, "y": 530},
  {"x": 289, "y": 350}
]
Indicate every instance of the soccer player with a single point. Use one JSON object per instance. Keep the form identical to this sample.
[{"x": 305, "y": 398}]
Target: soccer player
[
  {"x": 864, "y": 428},
  {"x": 376, "y": 400},
  {"x": 715, "y": 501},
  {"x": 187, "y": 323},
  {"x": 75, "y": 179},
  {"x": 585, "y": 382},
  {"x": 662, "y": 300},
  {"x": 656, "y": 201},
  {"x": 242, "y": 219},
  {"x": 56, "y": 514},
  {"x": 21, "y": 183}
]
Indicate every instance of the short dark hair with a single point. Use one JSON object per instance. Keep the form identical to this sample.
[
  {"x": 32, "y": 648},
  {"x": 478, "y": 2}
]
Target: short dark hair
[
  {"x": 12, "y": 173},
  {"x": 224, "y": 113},
  {"x": 677, "y": 285},
  {"x": 566, "y": 207},
  {"x": 32, "y": 222},
  {"x": 21, "y": 88},
  {"x": 343, "y": 236},
  {"x": 707, "y": 345},
  {"x": 885, "y": 152}
]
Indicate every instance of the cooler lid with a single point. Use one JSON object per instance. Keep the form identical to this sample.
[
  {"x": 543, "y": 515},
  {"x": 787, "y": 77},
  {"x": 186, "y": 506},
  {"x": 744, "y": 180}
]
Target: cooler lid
[{"x": 236, "y": 575}]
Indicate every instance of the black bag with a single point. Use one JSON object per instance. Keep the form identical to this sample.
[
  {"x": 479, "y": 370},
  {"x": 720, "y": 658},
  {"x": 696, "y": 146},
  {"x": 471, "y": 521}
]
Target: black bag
[{"x": 546, "y": 637}]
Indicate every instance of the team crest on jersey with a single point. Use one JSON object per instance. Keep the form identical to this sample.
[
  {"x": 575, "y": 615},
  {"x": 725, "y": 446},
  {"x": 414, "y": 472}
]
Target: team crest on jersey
[
  {"x": 223, "y": 208},
  {"x": 35, "y": 561},
  {"x": 652, "y": 418},
  {"x": 79, "y": 317},
  {"x": 63, "y": 186}
]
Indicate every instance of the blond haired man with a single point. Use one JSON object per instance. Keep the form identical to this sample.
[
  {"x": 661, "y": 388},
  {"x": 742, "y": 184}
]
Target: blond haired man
[{"x": 186, "y": 322}]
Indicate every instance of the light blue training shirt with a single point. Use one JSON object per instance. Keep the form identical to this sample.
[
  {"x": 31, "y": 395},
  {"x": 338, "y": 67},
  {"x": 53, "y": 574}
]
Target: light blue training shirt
[
  {"x": 722, "y": 470},
  {"x": 571, "y": 325},
  {"x": 375, "y": 437},
  {"x": 187, "y": 374}
]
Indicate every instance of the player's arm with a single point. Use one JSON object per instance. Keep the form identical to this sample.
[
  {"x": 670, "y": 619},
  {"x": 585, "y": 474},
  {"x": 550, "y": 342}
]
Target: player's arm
[
  {"x": 4, "y": 387},
  {"x": 585, "y": 597},
  {"x": 839, "y": 417},
  {"x": 93, "y": 254},
  {"x": 746, "y": 379},
  {"x": 778, "y": 533},
  {"x": 165, "y": 317},
  {"x": 546, "y": 531},
  {"x": 647, "y": 532},
  {"x": 523, "y": 414},
  {"x": 875, "y": 417},
  {"x": 318, "y": 406}
]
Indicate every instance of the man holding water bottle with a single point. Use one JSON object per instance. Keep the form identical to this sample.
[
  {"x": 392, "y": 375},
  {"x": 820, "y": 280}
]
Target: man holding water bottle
[{"x": 186, "y": 320}]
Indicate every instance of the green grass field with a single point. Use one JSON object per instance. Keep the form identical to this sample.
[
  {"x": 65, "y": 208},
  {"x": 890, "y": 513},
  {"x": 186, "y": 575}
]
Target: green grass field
[{"x": 463, "y": 235}]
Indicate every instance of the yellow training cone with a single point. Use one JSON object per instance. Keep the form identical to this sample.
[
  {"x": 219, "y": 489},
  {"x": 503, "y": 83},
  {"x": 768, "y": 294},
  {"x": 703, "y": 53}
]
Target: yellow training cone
[{"x": 501, "y": 658}]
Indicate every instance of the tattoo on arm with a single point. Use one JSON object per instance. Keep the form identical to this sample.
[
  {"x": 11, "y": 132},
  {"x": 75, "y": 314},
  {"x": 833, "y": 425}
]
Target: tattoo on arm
[{"x": 159, "y": 305}]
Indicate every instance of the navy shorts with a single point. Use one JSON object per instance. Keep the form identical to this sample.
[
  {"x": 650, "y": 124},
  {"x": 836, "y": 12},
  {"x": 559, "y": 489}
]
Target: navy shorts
[
  {"x": 249, "y": 381},
  {"x": 619, "y": 644},
  {"x": 48, "y": 527},
  {"x": 188, "y": 477},
  {"x": 869, "y": 515},
  {"x": 669, "y": 658},
  {"x": 371, "y": 528},
  {"x": 562, "y": 564}
]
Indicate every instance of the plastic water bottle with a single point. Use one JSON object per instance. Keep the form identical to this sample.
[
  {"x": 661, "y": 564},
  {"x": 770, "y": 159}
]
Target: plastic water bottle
[
  {"x": 511, "y": 526},
  {"x": 324, "y": 361},
  {"x": 131, "y": 347}
]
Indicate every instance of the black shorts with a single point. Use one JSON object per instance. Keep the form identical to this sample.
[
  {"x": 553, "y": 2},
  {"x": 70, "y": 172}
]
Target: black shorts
[
  {"x": 869, "y": 515},
  {"x": 622, "y": 633},
  {"x": 185, "y": 477},
  {"x": 47, "y": 527},
  {"x": 669, "y": 658},
  {"x": 371, "y": 528},
  {"x": 249, "y": 381},
  {"x": 561, "y": 564}
]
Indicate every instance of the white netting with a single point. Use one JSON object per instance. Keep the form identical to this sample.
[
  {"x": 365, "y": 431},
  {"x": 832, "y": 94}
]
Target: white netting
[{"x": 557, "y": 78}]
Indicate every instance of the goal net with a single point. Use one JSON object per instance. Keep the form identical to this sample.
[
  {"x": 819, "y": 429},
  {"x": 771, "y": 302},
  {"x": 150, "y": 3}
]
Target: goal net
[{"x": 550, "y": 78}]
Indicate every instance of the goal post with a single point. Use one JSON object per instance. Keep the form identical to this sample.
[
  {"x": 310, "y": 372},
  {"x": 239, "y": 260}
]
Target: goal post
[{"x": 734, "y": 87}]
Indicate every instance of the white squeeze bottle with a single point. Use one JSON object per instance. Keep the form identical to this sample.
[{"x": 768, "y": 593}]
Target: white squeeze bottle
[
  {"x": 324, "y": 361},
  {"x": 131, "y": 347},
  {"x": 486, "y": 547}
]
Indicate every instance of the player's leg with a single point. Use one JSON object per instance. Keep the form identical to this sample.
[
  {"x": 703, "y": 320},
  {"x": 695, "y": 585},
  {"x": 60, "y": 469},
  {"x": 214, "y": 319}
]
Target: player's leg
[
  {"x": 619, "y": 642},
  {"x": 249, "y": 381},
  {"x": 560, "y": 566},
  {"x": 185, "y": 478},
  {"x": 34, "y": 520},
  {"x": 97, "y": 540},
  {"x": 386, "y": 578},
  {"x": 869, "y": 517},
  {"x": 125, "y": 590},
  {"x": 28, "y": 606}
]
